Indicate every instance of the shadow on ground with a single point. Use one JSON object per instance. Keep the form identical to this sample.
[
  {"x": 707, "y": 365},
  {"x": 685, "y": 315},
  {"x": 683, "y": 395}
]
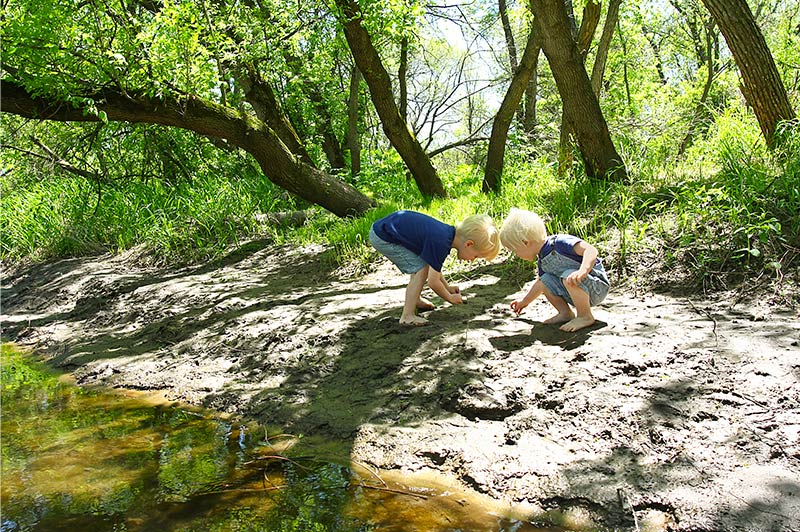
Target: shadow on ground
[{"x": 656, "y": 410}]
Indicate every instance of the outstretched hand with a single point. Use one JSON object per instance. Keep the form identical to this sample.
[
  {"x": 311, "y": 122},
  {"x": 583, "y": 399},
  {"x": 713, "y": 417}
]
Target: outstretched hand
[{"x": 518, "y": 306}]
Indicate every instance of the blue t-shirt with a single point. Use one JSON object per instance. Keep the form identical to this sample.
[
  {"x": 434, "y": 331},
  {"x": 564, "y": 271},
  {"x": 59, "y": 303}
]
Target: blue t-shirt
[
  {"x": 427, "y": 237},
  {"x": 563, "y": 245}
]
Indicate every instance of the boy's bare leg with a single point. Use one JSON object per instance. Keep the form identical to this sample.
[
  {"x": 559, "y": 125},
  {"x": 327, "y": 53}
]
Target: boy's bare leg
[
  {"x": 582, "y": 306},
  {"x": 565, "y": 313},
  {"x": 424, "y": 304},
  {"x": 413, "y": 291}
]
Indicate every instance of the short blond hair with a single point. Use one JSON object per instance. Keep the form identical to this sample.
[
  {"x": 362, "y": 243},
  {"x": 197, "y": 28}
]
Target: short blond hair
[
  {"x": 481, "y": 230},
  {"x": 522, "y": 227}
]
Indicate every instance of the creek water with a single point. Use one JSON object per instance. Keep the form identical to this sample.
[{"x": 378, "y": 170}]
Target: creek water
[{"x": 77, "y": 459}]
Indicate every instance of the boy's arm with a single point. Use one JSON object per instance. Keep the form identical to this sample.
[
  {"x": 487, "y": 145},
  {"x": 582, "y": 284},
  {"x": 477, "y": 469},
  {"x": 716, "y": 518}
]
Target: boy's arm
[
  {"x": 536, "y": 290},
  {"x": 437, "y": 283},
  {"x": 589, "y": 254}
]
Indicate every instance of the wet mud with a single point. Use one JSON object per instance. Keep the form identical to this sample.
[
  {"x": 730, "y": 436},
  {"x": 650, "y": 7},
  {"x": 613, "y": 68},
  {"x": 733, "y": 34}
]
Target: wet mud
[{"x": 676, "y": 410}]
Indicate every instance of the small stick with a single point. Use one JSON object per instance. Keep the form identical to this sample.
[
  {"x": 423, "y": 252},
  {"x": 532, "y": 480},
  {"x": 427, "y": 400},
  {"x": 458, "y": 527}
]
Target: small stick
[{"x": 390, "y": 490}]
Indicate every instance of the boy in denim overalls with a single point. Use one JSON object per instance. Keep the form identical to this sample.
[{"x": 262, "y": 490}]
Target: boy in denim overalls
[{"x": 569, "y": 270}]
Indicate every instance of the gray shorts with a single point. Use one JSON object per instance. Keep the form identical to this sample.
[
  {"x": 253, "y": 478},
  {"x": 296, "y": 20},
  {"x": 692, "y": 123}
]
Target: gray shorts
[
  {"x": 407, "y": 261},
  {"x": 558, "y": 267}
]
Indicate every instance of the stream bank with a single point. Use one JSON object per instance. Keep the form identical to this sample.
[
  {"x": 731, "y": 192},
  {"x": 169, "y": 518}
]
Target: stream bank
[{"x": 677, "y": 409}]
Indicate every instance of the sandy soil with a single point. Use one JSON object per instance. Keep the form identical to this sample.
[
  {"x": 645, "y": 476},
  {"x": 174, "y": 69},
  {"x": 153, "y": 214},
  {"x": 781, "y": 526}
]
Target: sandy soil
[{"x": 678, "y": 407}]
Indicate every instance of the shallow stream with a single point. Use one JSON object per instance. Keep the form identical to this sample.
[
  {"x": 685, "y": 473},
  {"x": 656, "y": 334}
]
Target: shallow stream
[{"x": 77, "y": 459}]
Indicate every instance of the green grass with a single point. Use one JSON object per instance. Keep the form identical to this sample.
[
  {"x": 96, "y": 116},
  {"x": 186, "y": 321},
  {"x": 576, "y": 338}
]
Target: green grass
[
  {"x": 63, "y": 216},
  {"x": 729, "y": 209}
]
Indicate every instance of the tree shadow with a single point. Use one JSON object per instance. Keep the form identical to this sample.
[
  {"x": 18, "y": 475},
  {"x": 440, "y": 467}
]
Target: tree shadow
[{"x": 269, "y": 321}]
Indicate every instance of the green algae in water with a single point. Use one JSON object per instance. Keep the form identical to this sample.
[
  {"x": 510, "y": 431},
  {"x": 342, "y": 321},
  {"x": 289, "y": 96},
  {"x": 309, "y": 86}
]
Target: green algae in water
[
  {"x": 82, "y": 459},
  {"x": 77, "y": 459}
]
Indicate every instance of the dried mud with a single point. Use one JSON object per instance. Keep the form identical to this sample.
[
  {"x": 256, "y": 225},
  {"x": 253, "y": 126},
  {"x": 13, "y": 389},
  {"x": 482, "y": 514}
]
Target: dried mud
[{"x": 676, "y": 408}]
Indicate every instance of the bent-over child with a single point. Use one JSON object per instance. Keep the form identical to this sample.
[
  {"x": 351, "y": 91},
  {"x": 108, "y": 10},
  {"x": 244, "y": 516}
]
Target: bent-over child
[
  {"x": 418, "y": 245},
  {"x": 570, "y": 272}
]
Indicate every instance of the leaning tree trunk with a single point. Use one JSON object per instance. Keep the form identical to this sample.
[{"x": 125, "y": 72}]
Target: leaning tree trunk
[
  {"x": 502, "y": 121},
  {"x": 762, "y": 85},
  {"x": 277, "y": 162},
  {"x": 582, "y": 108},
  {"x": 380, "y": 89},
  {"x": 260, "y": 95}
]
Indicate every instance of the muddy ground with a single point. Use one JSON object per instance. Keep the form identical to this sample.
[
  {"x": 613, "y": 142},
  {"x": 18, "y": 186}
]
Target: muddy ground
[{"x": 684, "y": 407}]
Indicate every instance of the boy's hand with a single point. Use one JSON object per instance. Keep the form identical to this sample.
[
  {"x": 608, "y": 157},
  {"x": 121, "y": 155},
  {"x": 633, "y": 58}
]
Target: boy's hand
[
  {"x": 575, "y": 278},
  {"x": 454, "y": 289},
  {"x": 518, "y": 306},
  {"x": 457, "y": 299}
]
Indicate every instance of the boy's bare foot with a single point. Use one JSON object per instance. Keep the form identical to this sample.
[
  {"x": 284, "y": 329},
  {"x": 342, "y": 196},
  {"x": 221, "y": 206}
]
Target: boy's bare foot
[
  {"x": 424, "y": 304},
  {"x": 413, "y": 321},
  {"x": 561, "y": 317},
  {"x": 578, "y": 323}
]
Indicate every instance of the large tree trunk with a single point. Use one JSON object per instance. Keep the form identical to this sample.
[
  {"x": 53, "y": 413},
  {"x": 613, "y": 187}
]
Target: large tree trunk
[
  {"x": 380, "y": 89},
  {"x": 584, "y": 37},
  {"x": 502, "y": 120},
  {"x": 206, "y": 118},
  {"x": 582, "y": 108},
  {"x": 762, "y": 85},
  {"x": 260, "y": 95}
]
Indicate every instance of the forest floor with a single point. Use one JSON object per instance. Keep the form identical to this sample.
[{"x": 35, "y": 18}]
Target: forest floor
[{"x": 687, "y": 408}]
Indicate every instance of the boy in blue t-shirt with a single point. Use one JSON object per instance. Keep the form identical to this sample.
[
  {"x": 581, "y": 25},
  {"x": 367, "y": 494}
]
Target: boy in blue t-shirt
[
  {"x": 419, "y": 244},
  {"x": 569, "y": 270}
]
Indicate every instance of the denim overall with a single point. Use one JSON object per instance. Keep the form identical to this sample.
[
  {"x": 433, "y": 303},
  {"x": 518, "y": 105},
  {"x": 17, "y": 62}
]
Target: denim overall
[{"x": 556, "y": 267}]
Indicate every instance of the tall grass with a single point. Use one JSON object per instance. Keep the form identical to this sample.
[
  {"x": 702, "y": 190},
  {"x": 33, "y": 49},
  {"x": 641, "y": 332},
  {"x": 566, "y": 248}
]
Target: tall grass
[
  {"x": 188, "y": 221},
  {"x": 729, "y": 207}
]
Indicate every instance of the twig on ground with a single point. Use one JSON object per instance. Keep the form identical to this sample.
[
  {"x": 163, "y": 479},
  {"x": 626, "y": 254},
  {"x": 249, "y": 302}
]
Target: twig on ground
[
  {"x": 709, "y": 316},
  {"x": 622, "y": 495}
]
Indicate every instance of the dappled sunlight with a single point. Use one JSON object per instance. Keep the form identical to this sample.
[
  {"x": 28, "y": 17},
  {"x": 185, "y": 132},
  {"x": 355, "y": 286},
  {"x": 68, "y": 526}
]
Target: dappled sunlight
[{"x": 662, "y": 398}]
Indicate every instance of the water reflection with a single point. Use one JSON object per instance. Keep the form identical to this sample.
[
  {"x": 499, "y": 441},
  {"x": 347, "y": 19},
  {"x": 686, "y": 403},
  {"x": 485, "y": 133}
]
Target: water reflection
[{"x": 77, "y": 459}]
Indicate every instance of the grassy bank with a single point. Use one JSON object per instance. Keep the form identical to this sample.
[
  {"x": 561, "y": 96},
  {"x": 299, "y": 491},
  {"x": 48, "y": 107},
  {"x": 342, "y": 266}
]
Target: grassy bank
[{"x": 726, "y": 213}]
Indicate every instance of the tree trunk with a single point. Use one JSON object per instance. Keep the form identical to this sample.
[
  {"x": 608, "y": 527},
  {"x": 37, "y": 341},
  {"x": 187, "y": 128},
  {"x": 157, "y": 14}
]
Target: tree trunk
[
  {"x": 380, "y": 88},
  {"x": 502, "y": 121},
  {"x": 331, "y": 146},
  {"x": 700, "y": 109},
  {"x": 531, "y": 93},
  {"x": 655, "y": 46},
  {"x": 599, "y": 67},
  {"x": 402, "y": 78},
  {"x": 584, "y": 36},
  {"x": 353, "y": 138},
  {"x": 512, "y": 47},
  {"x": 206, "y": 118},
  {"x": 260, "y": 95},
  {"x": 582, "y": 109},
  {"x": 762, "y": 85}
]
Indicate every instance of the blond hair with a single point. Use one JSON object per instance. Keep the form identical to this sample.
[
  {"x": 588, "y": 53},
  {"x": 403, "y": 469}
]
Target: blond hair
[
  {"x": 521, "y": 227},
  {"x": 481, "y": 230}
]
